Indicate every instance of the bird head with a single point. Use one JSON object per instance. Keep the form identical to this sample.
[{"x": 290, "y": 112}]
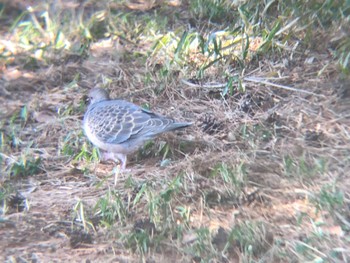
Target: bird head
[{"x": 97, "y": 95}]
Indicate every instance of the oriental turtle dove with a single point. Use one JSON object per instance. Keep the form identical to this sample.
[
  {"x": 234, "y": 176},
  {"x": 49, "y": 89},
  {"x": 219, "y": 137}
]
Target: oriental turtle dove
[{"x": 119, "y": 127}]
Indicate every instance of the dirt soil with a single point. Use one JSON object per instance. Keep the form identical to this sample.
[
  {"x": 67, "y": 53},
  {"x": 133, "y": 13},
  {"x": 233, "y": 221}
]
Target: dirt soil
[{"x": 259, "y": 129}]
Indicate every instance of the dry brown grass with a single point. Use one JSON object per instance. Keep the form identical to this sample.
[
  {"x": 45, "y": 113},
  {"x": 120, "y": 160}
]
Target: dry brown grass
[{"x": 283, "y": 148}]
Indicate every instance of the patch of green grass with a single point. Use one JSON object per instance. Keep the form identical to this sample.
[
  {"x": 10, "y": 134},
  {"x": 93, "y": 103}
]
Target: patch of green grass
[
  {"x": 2, "y": 194},
  {"x": 304, "y": 167},
  {"x": 276, "y": 23},
  {"x": 6, "y": 190},
  {"x": 202, "y": 248},
  {"x": 53, "y": 31},
  {"x": 159, "y": 222},
  {"x": 234, "y": 25},
  {"x": 69, "y": 109},
  {"x": 256, "y": 134},
  {"x": 253, "y": 238},
  {"x": 111, "y": 209},
  {"x": 139, "y": 241},
  {"x": 12, "y": 139},
  {"x": 199, "y": 52},
  {"x": 25, "y": 166},
  {"x": 162, "y": 219},
  {"x": 326, "y": 12},
  {"x": 12, "y": 130},
  {"x": 133, "y": 25},
  {"x": 330, "y": 198},
  {"x": 234, "y": 178},
  {"x": 88, "y": 154},
  {"x": 98, "y": 26},
  {"x": 184, "y": 219},
  {"x": 218, "y": 11},
  {"x": 308, "y": 252},
  {"x": 76, "y": 147},
  {"x": 3, "y": 148},
  {"x": 80, "y": 216},
  {"x": 143, "y": 237},
  {"x": 159, "y": 148},
  {"x": 318, "y": 246},
  {"x": 159, "y": 205},
  {"x": 342, "y": 52}
]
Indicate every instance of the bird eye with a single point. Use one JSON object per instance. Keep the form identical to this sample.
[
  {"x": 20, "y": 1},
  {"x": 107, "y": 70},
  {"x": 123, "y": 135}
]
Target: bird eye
[{"x": 87, "y": 99}]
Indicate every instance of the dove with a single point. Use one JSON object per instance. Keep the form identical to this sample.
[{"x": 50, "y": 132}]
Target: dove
[{"x": 118, "y": 127}]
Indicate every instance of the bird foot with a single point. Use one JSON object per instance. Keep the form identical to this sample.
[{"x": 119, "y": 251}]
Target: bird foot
[{"x": 116, "y": 157}]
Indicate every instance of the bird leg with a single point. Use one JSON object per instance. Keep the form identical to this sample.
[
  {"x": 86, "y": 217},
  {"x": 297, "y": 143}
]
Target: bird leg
[
  {"x": 122, "y": 159},
  {"x": 116, "y": 157}
]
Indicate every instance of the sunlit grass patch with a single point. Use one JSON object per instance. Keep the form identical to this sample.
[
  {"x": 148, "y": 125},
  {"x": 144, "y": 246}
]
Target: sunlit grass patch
[
  {"x": 199, "y": 52},
  {"x": 213, "y": 11}
]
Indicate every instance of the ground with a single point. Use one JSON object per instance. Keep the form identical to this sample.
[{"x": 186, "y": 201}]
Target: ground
[{"x": 262, "y": 175}]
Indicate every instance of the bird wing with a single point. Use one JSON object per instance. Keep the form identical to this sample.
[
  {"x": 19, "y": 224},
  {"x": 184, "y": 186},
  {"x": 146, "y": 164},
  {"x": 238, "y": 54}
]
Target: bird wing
[{"x": 117, "y": 122}]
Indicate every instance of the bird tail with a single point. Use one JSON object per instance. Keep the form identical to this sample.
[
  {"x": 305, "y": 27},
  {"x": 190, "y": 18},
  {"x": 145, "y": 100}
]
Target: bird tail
[{"x": 177, "y": 125}]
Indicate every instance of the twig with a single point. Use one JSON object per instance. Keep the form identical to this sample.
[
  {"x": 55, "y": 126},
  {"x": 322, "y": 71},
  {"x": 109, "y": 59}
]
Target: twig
[
  {"x": 194, "y": 85},
  {"x": 251, "y": 79},
  {"x": 263, "y": 81}
]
